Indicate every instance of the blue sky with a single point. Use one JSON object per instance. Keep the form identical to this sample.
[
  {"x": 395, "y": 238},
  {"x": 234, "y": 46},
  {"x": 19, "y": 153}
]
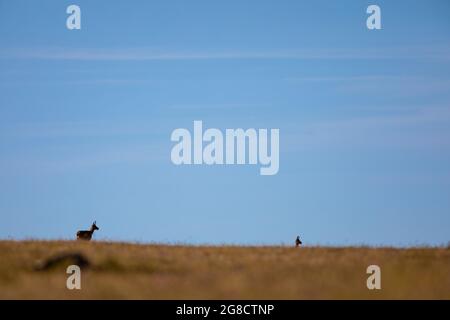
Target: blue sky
[{"x": 364, "y": 118}]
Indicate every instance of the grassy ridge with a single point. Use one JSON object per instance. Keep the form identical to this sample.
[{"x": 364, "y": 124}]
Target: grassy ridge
[{"x": 132, "y": 271}]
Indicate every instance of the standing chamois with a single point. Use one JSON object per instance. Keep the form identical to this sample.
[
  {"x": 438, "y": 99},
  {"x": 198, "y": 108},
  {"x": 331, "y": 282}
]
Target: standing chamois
[
  {"x": 87, "y": 234},
  {"x": 298, "y": 242}
]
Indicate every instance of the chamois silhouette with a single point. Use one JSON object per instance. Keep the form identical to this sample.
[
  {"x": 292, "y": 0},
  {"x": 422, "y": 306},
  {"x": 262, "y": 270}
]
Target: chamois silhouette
[
  {"x": 298, "y": 242},
  {"x": 87, "y": 234}
]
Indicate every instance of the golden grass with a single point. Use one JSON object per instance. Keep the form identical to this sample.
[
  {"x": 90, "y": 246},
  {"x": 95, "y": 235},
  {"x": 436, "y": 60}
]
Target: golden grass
[{"x": 133, "y": 271}]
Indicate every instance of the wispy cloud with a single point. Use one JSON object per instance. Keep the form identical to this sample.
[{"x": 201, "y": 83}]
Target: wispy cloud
[
  {"x": 64, "y": 159},
  {"x": 395, "y": 85},
  {"x": 79, "y": 129},
  {"x": 217, "y": 106},
  {"x": 143, "y": 54},
  {"x": 422, "y": 128}
]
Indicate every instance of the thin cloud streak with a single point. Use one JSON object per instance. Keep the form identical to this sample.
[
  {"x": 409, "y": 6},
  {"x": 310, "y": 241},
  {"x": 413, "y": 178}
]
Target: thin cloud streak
[
  {"x": 423, "y": 128},
  {"x": 148, "y": 54}
]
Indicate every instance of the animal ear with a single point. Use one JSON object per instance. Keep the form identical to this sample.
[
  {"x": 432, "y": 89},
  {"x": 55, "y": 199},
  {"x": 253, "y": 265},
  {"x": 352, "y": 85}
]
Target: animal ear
[{"x": 95, "y": 222}]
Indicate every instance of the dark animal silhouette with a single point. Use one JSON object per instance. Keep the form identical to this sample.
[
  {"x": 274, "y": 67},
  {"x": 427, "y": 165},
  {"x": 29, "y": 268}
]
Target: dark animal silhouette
[
  {"x": 87, "y": 234},
  {"x": 63, "y": 259},
  {"x": 298, "y": 242}
]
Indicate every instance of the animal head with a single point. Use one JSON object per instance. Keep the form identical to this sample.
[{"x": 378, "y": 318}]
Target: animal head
[{"x": 94, "y": 226}]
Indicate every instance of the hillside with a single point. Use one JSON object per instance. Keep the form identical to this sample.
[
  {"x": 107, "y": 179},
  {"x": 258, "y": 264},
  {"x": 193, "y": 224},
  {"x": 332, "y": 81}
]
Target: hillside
[{"x": 136, "y": 271}]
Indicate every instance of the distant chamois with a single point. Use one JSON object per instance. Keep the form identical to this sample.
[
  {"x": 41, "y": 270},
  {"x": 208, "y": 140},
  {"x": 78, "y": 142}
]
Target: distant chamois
[
  {"x": 87, "y": 234},
  {"x": 298, "y": 242}
]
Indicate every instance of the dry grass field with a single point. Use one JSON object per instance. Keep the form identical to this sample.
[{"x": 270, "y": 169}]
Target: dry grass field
[{"x": 136, "y": 271}]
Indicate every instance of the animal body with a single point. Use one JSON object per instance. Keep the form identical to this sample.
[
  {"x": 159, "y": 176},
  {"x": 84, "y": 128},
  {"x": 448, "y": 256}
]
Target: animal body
[
  {"x": 298, "y": 242},
  {"x": 87, "y": 234}
]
